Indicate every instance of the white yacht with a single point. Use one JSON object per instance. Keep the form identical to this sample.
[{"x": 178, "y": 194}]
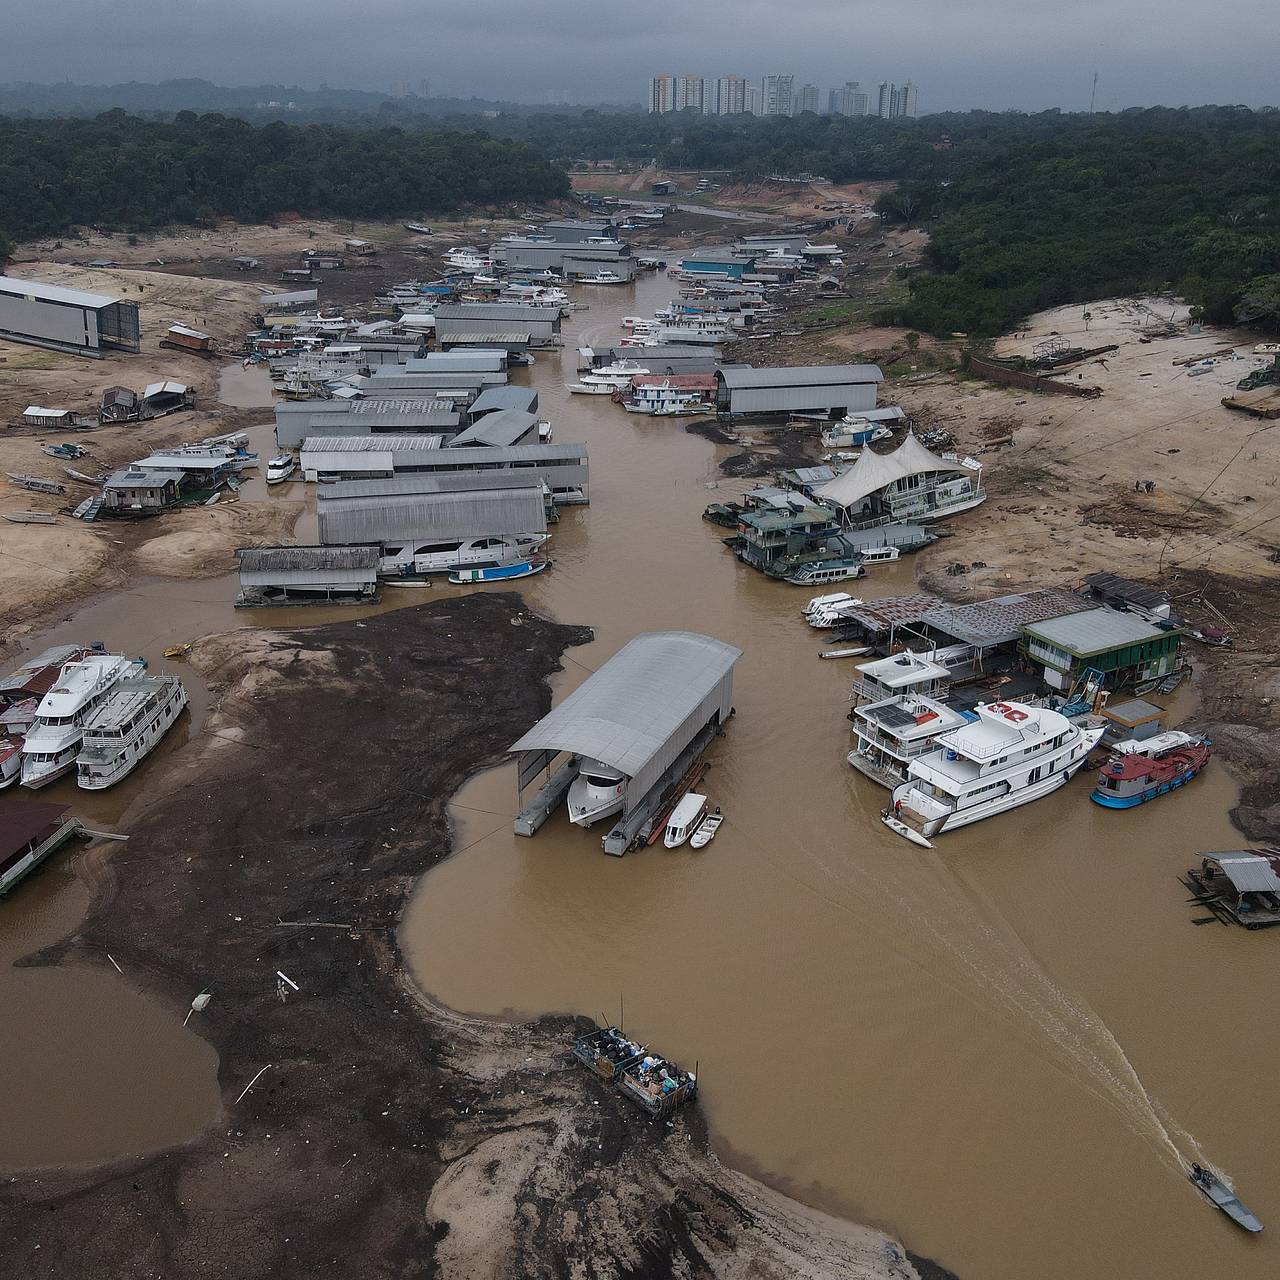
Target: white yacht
[
  {"x": 281, "y": 468},
  {"x": 406, "y": 560},
  {"x": 1008, "y": 756},
  {"x": 51, "y": 745},
  {"x": 595, "y": 793},
  {"x": 603, "y": 277},
  {"x": 892, "y": 733},
  {"x": 125, "y": 726}
]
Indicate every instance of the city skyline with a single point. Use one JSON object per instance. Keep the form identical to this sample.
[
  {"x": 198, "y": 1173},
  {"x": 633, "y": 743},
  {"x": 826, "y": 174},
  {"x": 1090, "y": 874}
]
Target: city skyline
[{"x": 777, "y": 94}]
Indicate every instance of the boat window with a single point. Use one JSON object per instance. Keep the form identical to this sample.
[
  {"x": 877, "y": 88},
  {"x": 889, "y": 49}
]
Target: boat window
[{"x": 597, "y": 780}]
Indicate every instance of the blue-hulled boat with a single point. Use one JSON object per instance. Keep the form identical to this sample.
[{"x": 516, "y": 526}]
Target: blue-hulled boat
[
  {"x": 1142, "y": 771},
  {"x": 499, "y": 572}
]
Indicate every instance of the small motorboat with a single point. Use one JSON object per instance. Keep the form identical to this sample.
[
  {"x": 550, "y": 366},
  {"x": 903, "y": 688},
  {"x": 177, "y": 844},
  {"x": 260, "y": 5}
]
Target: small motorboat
[
  {"x": 1219, "y": 1194},
  {"x": 859, "y": 652},
  {"x": 706, "y": 831},
  {"x": 1214, "y": 636},
  {"x": 281, "y": 468},
  {"x": 685, "y": 819},
  {"x": 498, "y": 572}
]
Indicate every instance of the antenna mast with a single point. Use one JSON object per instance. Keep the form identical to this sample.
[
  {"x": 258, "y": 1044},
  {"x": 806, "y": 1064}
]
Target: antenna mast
[{"x": 1093, "y": 96}]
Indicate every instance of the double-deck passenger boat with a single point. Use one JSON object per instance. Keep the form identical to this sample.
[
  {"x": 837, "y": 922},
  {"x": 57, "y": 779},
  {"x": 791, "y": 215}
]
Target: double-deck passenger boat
[
  {"x": 1010, "y": 755},
  {"x": 1139, "y": 771},
  {"x": 125, "y": 727}
]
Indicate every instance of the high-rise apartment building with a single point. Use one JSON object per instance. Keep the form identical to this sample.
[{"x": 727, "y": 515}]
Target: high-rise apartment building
[
  {"x": 848, "y": 101},
  {"x": 753, "y": 99},
  {"x": 690, "y": 91},
  {"x": 909, "y": 100},
  {"x": 730, "y": 96},
  {"x": 779, "y": 95},
  {"x": 662, "y": 95},
  {"x": 833, "y": 102},
  {"x": 807, "y": 99},
  {"x": 886, "y": 100},
  {"x": 860, "y": 103},
  {"x": 897, "y": 104}
]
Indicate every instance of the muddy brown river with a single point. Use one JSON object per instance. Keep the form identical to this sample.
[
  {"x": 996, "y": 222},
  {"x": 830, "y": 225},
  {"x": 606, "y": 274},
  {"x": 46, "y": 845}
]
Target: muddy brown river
[{"x": 1000, "y": 1049}]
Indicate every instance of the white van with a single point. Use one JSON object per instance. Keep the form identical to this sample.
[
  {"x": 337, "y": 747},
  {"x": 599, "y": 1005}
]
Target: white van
[{"x": 684, "y": 819}]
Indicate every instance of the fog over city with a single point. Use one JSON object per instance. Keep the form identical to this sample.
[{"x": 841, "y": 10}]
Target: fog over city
[{"x": 996, "y": 54}]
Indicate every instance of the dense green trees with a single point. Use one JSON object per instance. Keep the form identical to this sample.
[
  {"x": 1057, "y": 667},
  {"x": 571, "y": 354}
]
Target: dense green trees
[{"x": 118, "y": 171}]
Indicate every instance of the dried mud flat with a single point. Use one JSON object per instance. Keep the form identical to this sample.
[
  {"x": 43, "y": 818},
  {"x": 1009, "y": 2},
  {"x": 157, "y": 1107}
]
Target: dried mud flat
[{"x": 387, "y": 1136}]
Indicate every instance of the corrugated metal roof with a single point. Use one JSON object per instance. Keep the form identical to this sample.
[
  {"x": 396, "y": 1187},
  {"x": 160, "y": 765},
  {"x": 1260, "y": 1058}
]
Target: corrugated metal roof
[
  {"x": 140, "y": 479},
  {"x": 479, "y": 338},
  {"x": 371, "y": 444},
  {"x": 1111, "y": 584},
  {"x": 1248, "y": 872},
  {"x": 497, "y": 430},
  {"x": 513, "y": 311},
  {"x": 1002, "y": 619},
  {"x": 288, "y": 299},
  {"x": 432, "y": 516},
  {"x": 464, "y": 358},
  {"x": 37, "y": 289},
  {"x": 432, "y": 482},
  {"x": 406, "y": 405},
  {"x": 268, "y": 559},
  {"x": 743, "y": 376},
  {"x": 510, "y": 397},
  {"x": 1090, "y": 631},
  {"x": 892, "y": 611},
  {"x": 624, "y": 714}
]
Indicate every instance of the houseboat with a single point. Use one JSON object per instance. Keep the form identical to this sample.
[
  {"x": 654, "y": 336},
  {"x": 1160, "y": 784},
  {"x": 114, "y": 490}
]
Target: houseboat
[
  {"x": 125, "y": 727},
  {"x": 1139, "y": 771},
  {"x": 670, "y": 394},
  {"x": 595, "y": 793},
  {"x": 819, "y": 572},
  {"x": 892, "y": 733},
  {"x": 1008, "y": 756},
  {"x": 54, "y": 739}
]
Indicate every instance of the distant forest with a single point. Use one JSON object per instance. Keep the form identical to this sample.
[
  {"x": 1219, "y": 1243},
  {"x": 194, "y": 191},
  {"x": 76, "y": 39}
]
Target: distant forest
[
  {"x": 118, "y": 171},
  {"x": 1023, "y": 211}
]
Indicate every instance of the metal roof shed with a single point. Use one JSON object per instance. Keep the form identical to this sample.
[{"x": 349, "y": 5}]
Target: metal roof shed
[
  {"x": 847, "y": 388},
  {"x": 492, "y": 399},
  {"x": 429, "y": 517},
  {"x": 62, "y": 319},
  {"x": 498, "y": 430},
  {"x": 640, "y": 710}
]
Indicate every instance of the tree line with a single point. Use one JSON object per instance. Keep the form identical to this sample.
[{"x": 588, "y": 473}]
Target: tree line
[{"x": 117, "y": 171}]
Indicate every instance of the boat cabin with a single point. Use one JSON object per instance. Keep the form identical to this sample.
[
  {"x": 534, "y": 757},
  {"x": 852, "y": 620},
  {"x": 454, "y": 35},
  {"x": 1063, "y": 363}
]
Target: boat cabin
[
  {"x": 890, "y": 734},
  {"x": 684, "y": 819}
]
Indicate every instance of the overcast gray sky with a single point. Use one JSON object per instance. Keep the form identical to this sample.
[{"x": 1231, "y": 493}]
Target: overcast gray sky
[{"x": 1027, "y": 54}]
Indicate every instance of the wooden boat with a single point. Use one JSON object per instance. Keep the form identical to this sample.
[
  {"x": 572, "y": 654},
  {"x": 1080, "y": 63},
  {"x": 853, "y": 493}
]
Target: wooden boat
[
  {"x": 706, "y": 831},
  {"x": 498, "y": 572},
  {"x": 1142, "y": 771},
  {"x": 1221, "y": 1196}
]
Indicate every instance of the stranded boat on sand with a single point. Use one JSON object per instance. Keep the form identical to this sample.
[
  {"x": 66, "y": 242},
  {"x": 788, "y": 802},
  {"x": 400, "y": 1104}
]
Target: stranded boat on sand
[
  {"x": 126, "y": 727},
  {"x": 1141, "y": 771}
]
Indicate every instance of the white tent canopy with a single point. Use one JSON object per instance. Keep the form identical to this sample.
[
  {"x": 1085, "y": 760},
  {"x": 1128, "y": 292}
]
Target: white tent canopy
[{"x": 875, "y": 471}]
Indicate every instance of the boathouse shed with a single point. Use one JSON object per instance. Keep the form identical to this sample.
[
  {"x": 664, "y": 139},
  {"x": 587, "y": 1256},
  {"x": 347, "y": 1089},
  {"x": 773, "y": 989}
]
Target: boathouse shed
[
  {"x": 432, "y": 517},
  {"x": 831, "y": 388},
  {"x": 309, "y": 571},
  {"x": 639, "y": 711},
  {"x": 62, "y": 319},
  {"x": 1125, "y": 648}
]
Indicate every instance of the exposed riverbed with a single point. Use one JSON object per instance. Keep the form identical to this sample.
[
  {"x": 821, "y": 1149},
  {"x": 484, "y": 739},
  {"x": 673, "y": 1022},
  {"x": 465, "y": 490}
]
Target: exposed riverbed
[{"x": 994, "y": 1049}]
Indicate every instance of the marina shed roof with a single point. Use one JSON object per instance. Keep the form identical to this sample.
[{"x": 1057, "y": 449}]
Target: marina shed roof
[
  {"x": 497, "y": 430},
  {"x": 510, "y": 397},
  {"x": 998, "y": 621},
  {"x": 432, "y": 482},
  {"x": 272, "y": 559},
  {"x": 432, "y": 516},
  {"x": 892, "y": 611},
  {"x": 1111, "y": 585},
  {"x": 743, "y": 376},
  {"x": 128, "y": 479},
  {"x": 42, "y": 292},
  {"x": 371, "y": 444},
  {"x": 513, "y": 311},
  {"x": 478, "y": 339},
  {"x": 876, "y": 471},
  {"x": 1090, "y": 631},
  {"x": 624, "y": 714},
  {"x": 1248, "y": 872}
]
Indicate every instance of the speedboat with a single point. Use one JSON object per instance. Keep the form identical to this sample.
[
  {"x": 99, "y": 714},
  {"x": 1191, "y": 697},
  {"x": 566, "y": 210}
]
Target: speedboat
[
  {"x": 685, "y": 819},
  {"x": 597, "y": 791},
  {"x": 1221, "y": 1196},
  {"x": 499, "y": 573},
  {"x": 1009, "y": 755},
  {"x": 281, "y": 468}
]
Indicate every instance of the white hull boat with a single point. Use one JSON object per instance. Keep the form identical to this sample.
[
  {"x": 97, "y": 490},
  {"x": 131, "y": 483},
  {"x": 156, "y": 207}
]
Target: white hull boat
[
  {"x": 685, "y": 819},
  {"x": 1011, "y": 755},
  {"x": 590, "y": 388},
  {"x": 126, "y": 728},
  {"x": 281, "y": 468},
  {"x": 597, "y": 792}
]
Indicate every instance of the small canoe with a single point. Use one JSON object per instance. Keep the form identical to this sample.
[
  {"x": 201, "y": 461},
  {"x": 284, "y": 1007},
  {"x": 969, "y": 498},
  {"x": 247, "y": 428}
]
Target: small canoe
[
  {"x": 898, "y": 827},
  {"x": 845, "y": 653},
  {"x": 498, "y": 572},
  {"x": 706, "y": 833},
  {"x": 1220, "y": 1195}
]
